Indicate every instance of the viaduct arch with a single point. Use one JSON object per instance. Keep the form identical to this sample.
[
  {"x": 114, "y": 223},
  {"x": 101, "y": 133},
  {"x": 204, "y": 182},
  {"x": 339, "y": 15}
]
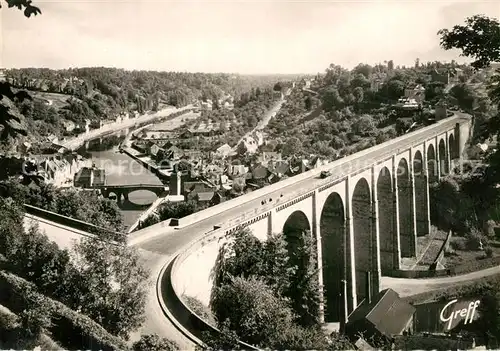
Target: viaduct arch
[
  {"x": 365, "y": 218},
  {"x": 386, "y": 222},
  {"x": 334, "y": 256}
]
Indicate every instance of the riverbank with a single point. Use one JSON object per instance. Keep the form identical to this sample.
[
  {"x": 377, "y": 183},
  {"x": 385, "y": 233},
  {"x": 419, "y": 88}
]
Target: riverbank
[
  {"x": 123, "y": 168},
  {"x": 78, "y": 141}
]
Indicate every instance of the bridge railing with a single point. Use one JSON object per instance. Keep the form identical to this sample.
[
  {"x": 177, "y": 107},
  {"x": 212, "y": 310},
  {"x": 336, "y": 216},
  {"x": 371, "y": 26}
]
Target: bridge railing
[
  {"x": 71, "y": 222},
  {"x": 197, "y": 216},
  {"x": 131, "y": 186}
]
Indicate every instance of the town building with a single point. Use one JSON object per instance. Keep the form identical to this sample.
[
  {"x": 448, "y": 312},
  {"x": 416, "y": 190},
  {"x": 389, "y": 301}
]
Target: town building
[
  {"x": 415, "y": 92},
  {"x": 380, "y": 318},
  {"x": 84, "y": 127},
  {"x": 251, "y": 143},
  {"x": 224, "y": 151},
  {"x": 89, "y": 177},
  {"x": 206, "y": 105},
  {"x": 267, "y": 156},
  {"x": 58, "y": 169},
  {"x": 69, "y": 126}
]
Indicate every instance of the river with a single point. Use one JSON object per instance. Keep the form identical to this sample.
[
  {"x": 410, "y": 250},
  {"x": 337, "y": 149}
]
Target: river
[{"x": 122, "y": 170}]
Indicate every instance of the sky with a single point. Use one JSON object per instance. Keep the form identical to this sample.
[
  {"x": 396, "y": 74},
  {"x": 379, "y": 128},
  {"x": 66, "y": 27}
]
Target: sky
[{"x": 247, "y": 37}]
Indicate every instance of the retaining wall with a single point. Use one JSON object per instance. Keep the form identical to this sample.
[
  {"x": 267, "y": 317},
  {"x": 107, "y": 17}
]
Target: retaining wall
[
  {"x": 67, "y": 221},
  {"x": 185, "y": 276}
]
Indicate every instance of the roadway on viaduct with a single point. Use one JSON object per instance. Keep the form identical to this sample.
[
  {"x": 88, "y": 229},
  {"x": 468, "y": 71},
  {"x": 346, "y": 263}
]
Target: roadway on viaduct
[
  {"x": 169, "y": 242},
  {"x": 163, "y": 239}
]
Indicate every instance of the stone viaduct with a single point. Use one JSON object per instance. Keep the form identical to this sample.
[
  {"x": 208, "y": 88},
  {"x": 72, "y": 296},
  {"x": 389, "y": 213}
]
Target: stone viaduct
[
  {"x": 365, "y": 217},
  {"x": 125, "y": 190}
]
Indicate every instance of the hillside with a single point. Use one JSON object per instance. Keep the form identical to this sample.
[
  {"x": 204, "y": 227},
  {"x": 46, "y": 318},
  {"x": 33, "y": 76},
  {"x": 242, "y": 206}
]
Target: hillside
[
  {"x": 59, "y": 101},
  {"x": 342, "y": 111}
]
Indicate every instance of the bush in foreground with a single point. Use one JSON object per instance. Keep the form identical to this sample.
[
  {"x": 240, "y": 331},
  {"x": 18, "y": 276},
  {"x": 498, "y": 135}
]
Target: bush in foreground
[{"x": 152, "y": 342}]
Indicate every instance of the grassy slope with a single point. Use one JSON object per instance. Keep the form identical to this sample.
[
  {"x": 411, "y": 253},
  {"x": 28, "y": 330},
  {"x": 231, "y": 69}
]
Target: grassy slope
[{"x": 9, "y": 339}]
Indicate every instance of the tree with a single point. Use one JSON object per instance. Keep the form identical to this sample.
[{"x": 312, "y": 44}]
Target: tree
[
  {"x": 479, "y": 39},
  {"x": 272, "y": 283},
  {"x": 395, "y": 89},
  {"x": 253, "y": 311},
  {"x": 363, "y": 125},
  {"x": 227, "y": 339},
  {"x": 464, "y": 96},
  {"x": 308, "y": 103},
  {"x": 390, "y": 65},
  {"x": 241, "y": 148},
  {"x": 23, "y": 5},
  {"x": 364, "y": 69},
  {"x": 358, "y": 94},
  {"x": 152, "y": 342},
  {"x": 12, "y": 123},
  {"x": 292, "y": 147},
  {"x": 35, "y": 318},
  {"x": 113, "y": 296},
  {"x": 331, "y": 99}
]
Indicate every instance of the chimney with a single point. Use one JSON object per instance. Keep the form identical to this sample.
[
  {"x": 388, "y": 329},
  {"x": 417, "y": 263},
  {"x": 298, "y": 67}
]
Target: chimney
[{"x": 368, "y": 287}]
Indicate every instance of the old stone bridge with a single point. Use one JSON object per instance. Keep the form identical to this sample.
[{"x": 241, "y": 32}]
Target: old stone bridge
[
  {"x": 365, "y": 216},
  {"x": 125, "y": 190}
]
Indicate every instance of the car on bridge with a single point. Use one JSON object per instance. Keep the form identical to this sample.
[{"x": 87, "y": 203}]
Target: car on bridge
[{"x": 325, "y": 174}]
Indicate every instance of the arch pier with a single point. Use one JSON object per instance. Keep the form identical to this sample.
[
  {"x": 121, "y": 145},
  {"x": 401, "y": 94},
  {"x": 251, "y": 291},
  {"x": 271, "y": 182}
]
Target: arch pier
[{"x": 365, "y": 217}]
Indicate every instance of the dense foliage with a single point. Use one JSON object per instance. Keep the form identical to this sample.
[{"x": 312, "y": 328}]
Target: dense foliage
[
  {"x": 103, "y": 280},
  {"x": 98, "y": 93},
  {"x": 249, "y": 109},
  {"x": 346, "y": 111},
  {"x": 152, "y": 342},
  {"x": 83, "y": 205},
  {"x": 263, "y": 293},
  {"x": 469, "y": 199},
  {"x": 476, "y": 194}
]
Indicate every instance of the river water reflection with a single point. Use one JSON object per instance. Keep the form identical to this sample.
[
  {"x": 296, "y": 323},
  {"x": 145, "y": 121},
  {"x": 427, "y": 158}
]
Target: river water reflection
[{"x": 122, "y": 170}]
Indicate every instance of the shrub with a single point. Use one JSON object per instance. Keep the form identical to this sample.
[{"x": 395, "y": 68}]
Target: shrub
[
  {"x": 253, "y": 311},
  {"x": 459, "y": 244},
  {"x": 71, "y": 329},
  {"x": 489, "y": 228},
  {"x": 200, "y": 309},
  {"x": 227, "y": 339},
  {"x": 152, "y": 342},
  {"x": 476, "y": 239},
  {"x": 35, "y": 318},
  {"x": 488, "y": 252}
]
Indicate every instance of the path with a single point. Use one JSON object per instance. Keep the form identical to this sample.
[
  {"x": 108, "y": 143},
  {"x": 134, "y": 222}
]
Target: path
[
  {"x": 407, "y": 287},
  {"x": 266, "y": 118}
]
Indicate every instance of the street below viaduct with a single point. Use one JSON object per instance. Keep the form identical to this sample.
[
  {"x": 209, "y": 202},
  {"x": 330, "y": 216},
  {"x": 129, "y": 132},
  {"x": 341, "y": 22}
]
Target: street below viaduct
[{"x": 365, "y": 217}]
